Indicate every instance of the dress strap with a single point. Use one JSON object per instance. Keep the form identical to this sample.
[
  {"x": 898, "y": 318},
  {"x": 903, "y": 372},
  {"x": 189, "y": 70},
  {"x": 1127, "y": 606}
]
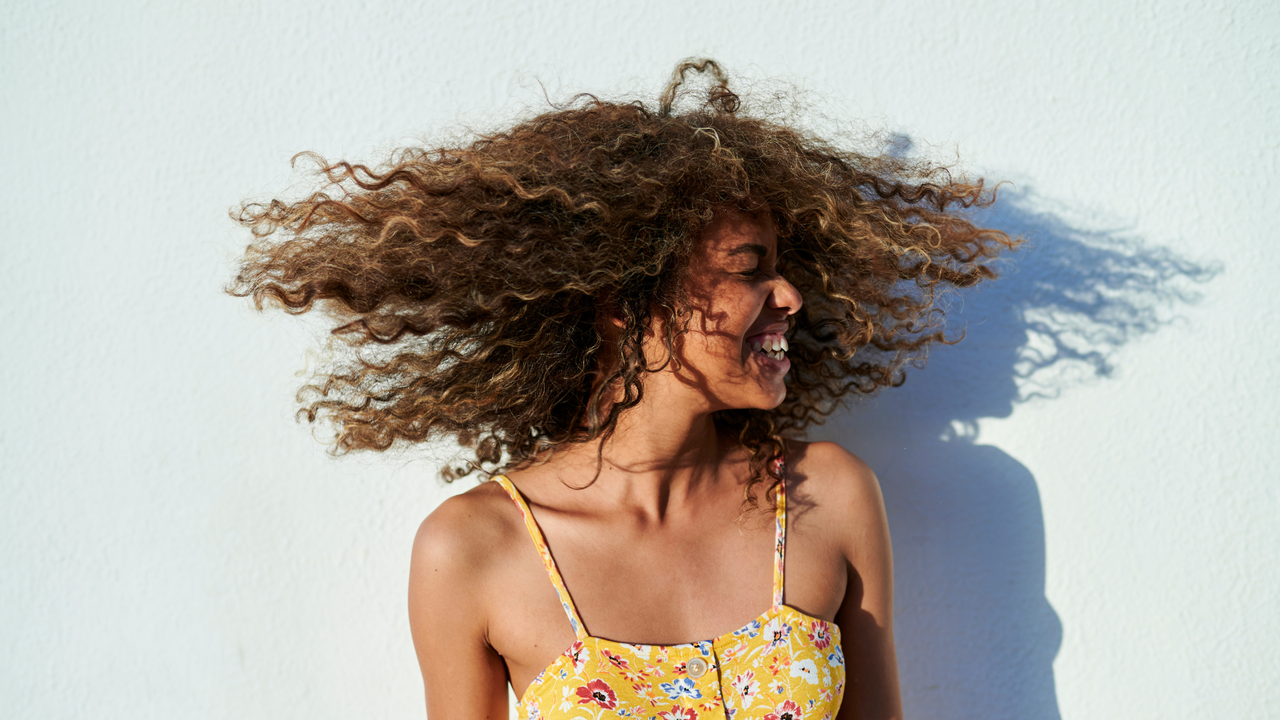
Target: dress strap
[
  {"x": 780, "y": 553},
  {"x": 547, "y": 561}
]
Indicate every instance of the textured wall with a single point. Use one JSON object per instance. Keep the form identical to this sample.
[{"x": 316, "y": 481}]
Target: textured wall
[{"x": 1082, "y": 494}]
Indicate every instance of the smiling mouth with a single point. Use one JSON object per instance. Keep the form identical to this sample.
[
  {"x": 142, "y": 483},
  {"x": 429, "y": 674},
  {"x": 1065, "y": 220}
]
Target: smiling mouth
[{"x": 771, "y": 346}]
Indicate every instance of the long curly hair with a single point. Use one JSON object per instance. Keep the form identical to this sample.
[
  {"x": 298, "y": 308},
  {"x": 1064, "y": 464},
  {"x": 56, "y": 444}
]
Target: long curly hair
[{"x": 469, "y": 282}]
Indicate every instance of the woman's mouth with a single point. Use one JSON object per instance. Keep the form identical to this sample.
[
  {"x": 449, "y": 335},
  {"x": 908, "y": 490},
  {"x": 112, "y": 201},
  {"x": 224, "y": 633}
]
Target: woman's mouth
[{"x": 770, "y": 345}]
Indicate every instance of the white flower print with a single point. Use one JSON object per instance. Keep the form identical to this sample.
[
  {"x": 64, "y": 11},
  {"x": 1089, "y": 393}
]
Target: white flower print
[
  {"x": 640, "y": 651},
  {"x": 776, "y": 631},
  {"x": 806, "y": 669},
  {"x": 747, "y": 687}
]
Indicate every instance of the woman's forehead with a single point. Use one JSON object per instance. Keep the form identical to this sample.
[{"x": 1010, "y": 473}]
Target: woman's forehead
[{"x": 733, "y": 232}]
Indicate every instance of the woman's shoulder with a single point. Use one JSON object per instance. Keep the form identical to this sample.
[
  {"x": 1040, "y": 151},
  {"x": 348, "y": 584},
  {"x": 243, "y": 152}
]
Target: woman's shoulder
[
  {"x": 827, "y": 468},
  {"x": 468, "y": 536},
  {"x": 840, "y": 490}
]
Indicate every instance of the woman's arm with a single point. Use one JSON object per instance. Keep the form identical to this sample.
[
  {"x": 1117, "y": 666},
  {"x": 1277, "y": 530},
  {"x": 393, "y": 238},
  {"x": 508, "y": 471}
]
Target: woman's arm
[
  {"x": 866, "y": 615},
  {"x": 464, "y": 678}
]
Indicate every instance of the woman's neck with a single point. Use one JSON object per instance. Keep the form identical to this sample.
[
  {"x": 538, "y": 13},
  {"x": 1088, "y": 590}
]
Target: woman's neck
[{"x": 660, "y": 455}]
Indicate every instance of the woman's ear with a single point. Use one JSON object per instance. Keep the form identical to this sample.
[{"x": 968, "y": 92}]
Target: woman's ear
[{"x": 608, "y": 316}]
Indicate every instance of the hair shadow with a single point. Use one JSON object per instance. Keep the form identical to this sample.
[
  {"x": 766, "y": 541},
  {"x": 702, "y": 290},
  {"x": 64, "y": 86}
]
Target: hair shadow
[{"x": 976, "y": 635}]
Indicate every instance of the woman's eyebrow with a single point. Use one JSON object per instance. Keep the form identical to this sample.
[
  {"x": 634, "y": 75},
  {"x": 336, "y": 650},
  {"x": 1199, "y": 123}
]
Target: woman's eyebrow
[{"x": 760, "y": 250}]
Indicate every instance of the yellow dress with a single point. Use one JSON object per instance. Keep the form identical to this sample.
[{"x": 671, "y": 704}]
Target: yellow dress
[{"x": 784, "y": 665}]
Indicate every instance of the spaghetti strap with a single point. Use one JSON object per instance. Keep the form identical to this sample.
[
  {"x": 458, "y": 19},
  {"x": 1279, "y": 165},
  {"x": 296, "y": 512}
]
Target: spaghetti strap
[
  {"x": 780, "y": 552},
  {"x": 547, "y": 561}
]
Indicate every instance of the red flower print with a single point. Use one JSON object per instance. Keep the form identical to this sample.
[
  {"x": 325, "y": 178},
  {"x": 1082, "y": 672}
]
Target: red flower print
[
  {"x": 678, "y": 713},
  {"x": 788, "y": 710},
  {"x": 617, "y": 660},
  {"x": 778, "y": 663},
  {"x": 598, "y": 692},
  {"x": 579, "y": 654},
  {"x": 820, "y": 636},
  {"x": 747, "y": 687}
]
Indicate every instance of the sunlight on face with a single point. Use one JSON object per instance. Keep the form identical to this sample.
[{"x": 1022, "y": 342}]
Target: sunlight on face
[{"x": 734, "y": 352}]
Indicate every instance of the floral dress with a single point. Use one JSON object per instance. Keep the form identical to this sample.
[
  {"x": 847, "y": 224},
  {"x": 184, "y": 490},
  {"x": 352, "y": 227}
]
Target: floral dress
[{"x": 784, "y": 665}]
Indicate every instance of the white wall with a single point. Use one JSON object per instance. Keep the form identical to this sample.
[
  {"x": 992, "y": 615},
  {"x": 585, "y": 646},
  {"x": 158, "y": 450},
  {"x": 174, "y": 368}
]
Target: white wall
[{"x": 1097, "y": 539}]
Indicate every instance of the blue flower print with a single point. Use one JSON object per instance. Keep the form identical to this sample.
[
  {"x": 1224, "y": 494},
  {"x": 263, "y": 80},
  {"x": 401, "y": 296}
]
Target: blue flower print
[
  {"x": 751, "y": 630},
  {"x": 682, "y": 687},
  {"x": 836, "y": 656}
]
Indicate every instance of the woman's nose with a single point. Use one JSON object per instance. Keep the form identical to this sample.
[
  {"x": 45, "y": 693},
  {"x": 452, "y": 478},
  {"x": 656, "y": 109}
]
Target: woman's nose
[{"x": 785, "y": 296}]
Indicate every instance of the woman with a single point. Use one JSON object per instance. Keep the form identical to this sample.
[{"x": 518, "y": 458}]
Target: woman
[{"x": 630, "y": 313}]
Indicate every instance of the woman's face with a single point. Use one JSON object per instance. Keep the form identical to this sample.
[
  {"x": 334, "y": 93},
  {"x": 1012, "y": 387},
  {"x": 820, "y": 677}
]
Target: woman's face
[{"x": 734, "y": 352}]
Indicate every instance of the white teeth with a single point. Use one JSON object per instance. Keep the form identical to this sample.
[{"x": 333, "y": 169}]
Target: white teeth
[{"x": 773, "y": 348}]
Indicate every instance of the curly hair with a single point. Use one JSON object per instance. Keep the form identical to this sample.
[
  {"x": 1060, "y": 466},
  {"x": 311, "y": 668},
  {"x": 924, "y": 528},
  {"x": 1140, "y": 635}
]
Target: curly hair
[{"x": 469, "y": 281}]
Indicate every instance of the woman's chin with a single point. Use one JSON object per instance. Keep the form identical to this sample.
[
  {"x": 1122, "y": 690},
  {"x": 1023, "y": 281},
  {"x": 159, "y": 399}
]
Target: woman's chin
[{"x": 765, "y": 398}]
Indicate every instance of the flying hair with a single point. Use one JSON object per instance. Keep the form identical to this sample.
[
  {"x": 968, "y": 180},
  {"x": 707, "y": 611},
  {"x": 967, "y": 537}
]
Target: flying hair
[{"x": 470, "y": 281}]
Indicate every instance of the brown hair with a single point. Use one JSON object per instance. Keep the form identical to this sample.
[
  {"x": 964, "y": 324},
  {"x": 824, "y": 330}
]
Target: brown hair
[{"x": 469, "y": 280}]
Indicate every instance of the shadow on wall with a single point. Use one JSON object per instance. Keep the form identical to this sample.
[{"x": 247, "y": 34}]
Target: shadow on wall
[{"x": 976, "y": 635}]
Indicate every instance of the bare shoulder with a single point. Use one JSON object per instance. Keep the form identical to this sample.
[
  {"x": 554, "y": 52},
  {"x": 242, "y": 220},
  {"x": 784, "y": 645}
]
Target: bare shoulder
[
  {"x": 467, "y": 527},
  {"x": 842, "y": 491},
  {"x": 464, "y": 543},
  {"x": 835, "y": 474}
]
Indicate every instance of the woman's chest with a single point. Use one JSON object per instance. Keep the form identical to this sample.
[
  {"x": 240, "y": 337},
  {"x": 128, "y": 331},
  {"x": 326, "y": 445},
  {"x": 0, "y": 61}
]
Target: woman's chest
[
  {"x": 656, "y": 589},
  {"x": 781, "y": 664},
  {"x": 672, "y": 587}
]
